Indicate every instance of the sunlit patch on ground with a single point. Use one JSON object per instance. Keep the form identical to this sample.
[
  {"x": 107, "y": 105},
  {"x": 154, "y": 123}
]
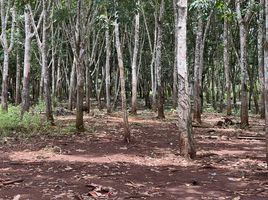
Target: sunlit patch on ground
[{"x": 229, "y": 164}]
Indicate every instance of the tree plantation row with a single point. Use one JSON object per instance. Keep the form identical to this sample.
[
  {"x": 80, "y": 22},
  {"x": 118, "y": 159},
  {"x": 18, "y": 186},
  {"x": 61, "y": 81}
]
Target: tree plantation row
[{"x": 200, "y": 54}]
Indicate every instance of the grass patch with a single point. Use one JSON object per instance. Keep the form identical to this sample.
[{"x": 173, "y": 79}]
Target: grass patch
[{"x": 11, "y": 123}]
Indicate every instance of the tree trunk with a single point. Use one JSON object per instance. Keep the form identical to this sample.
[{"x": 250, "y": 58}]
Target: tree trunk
[
  {"x": 80, "y": 70},
  {"x": 72, "y": 85},
  {"x": 107, "y": 70},
  {"x": 27, "y": 64},
  {"x": 41, "y": 84},
  {"x": 243, "y": 32},
  {"x": 187, "y": 148},
  {"x": 266, "y": 78},
  {"x": 7, "y": 49},
  {"x": 58, "y": 80},
  {"x": 226, "y": 61},
  {"x": 158, "y": 64},
  {"x": 213, "y": 96},
  {"x": 197, "y": 82},
  {"x": 260, "y": 58},
  {"x": 18, "y": 79},
  {"x": 175, "y": 76},
  {"x": 88, "y": 87},
  {"x": 49, "y": 115},
  {"x": 4, "y": 99},
  {"x": 122, "y": 83},
  {"x": 80, "y": 96},
  {"x": 134, "y": 64}
]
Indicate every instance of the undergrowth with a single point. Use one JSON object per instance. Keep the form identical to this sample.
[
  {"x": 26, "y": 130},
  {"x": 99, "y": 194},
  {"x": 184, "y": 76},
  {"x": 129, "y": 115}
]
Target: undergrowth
[{"x": 11, "y": 123}]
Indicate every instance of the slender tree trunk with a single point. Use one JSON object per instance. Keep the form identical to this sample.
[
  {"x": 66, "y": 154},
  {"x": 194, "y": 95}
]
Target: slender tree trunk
[
  {"x": 175, "y": 76},
  {"x": 197, "y": 82},
  {"x": 213, "y": 96},
  {"x": 158, "y": 64},
  {"x": 122, "y": 83},
  {"x": 7, "y": 49},
  {"x": 58, "y": 81},
  {"x": 116, "y": 89},
  {"x": 47, "y": 93},
  {"x": 80, "y": 70},
  {"x": 260, "y": 58},
  {"x": 199, "y": 64},
  {"x": 53, "y": 70},
  {"x": 27, "y": 64},
  {"x": 18, "y": 80},
  {"x": 226, "y": 61},
  {"x": 80, "y": 96},
  {"x": 4, "y": 99},
  {"x": 187, "y": 148},
  {"x": 88, "y": 86},
  {"x": 266, "y": 77},
  {"x": 72, "y": 85},
  {"x": 134, "y": 64},
  {"x": 153, "y": 66},
  {"x": 107, "y": 70},
  {"x": 243, "y": 32},
  {"x": 41, "y": 84}
]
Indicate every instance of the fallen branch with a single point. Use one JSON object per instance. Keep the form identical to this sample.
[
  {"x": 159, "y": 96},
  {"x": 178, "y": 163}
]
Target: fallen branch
[
  {"x": 138, "y": 196},
  {"x": 250, "y": 138},
  {"x": 12, "y": 182}
]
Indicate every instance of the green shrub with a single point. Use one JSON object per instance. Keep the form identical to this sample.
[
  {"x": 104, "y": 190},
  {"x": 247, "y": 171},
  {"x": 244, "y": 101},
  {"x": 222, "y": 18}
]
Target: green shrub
[
  {"x": 40, "y": 107},
  {"x": 12, "y": 124}
]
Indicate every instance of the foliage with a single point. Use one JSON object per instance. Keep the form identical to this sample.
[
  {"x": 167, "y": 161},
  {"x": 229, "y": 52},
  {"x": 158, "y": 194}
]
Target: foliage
[
  {"x": 12, "y": 124},
  {"x": 40, "y": 107}
]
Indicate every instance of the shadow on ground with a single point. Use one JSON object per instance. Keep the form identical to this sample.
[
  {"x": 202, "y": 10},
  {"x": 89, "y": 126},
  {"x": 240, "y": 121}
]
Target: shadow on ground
[{"x": 148, "y": 168}]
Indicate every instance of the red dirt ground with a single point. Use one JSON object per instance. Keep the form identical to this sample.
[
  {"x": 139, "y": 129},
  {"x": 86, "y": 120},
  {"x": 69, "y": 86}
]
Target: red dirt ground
[{"x": 98, "y": 165}]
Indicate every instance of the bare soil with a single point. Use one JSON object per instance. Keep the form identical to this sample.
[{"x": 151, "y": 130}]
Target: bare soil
[{"x": 230, "y": 162}]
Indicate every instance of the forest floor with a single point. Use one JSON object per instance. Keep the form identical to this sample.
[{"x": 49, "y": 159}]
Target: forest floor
[{"x": 230, "y": 162}]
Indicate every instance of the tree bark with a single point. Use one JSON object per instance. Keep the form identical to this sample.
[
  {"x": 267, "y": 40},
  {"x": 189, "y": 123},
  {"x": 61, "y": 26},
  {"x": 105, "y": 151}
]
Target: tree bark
[
  {"x": 42, "y": 45},
  {"x": 198, "y": 82},
  {"x": 175, "y": 74},
  {"x": 18, "y": 80},
  {"x": 199, "y": 64},
  {"x": 134, "y": 64},
  {"x": 88, "y": 86},
  {"x": 226, "y": 61},
  {"x": 80, "y": 70},
  {"x": 58, "y": 80},
  {"x": 266, "y": 77},
  {"x": 7, "y": 48},
  {"x": 122, "y": 82},
  {"x": 107, "y": 69},
  {"x": 187, "y": 148},
  {"x": 260, "y": 58},
  {"x": 72, "y": 85},
  {"x": 49, "y": 115},
  {"x": 27, "y": 63},
  {"x": 158, "y": 64},
  {"x": 243, "y": 32}
]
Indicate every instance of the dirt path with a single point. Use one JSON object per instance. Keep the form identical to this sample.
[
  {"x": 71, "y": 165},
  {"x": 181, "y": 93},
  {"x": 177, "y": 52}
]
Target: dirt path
[{"x": 97, "y": 165}]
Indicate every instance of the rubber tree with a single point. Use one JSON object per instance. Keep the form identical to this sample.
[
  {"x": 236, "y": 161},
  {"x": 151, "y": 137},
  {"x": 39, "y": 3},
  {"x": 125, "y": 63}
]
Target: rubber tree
[
  {"x": 226, "y": 60},
  {"x": 187, "y": 147},
  {"x": 122, "y": 78},
  {"x": 243, "y": 21},
  {"x": 29, "y": 34},
  {"x": 42, "y": 41},
  {"x": 158, "y": 63},
  {"x": 201, "y": 36},
  {"x": 7, "y": 45},
  {"x": 260, "y": 57},
  {"x": 266, "y": 77},
  {"x": 134, "y": 66}
]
